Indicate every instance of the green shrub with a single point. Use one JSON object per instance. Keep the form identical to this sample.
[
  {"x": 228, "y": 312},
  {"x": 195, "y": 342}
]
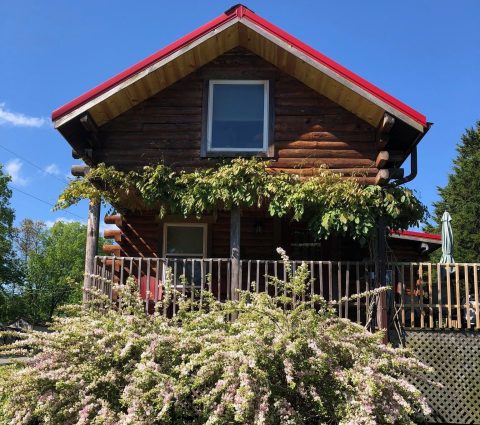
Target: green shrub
[{"x": 258, "y": 360}]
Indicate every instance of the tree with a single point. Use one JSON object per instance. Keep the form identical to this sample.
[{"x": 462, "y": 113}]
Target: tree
[
  {"x": 10, "y": 273},
  {"x": 461, "y": 198},
  {"x": 55, "y": 268},
  {"x": 29, "y": 237}
]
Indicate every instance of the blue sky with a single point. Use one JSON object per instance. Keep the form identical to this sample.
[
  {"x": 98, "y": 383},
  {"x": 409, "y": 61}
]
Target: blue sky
[{"x": 426, "y": 53}]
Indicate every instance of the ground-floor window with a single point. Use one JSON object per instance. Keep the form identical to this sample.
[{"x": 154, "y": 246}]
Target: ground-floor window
[
  {"x": 185, "y": 240},
  {"x": 182, "y": 241}
]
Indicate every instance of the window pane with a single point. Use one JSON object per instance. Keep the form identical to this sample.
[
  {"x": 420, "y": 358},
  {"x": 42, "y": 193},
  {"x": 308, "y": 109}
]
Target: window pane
[
  {"x": 185, "y": 240},
  {"x": 237, "y": 116}
]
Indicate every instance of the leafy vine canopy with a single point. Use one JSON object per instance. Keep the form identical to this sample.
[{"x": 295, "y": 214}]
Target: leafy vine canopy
[{"x": 331, "y": 203}]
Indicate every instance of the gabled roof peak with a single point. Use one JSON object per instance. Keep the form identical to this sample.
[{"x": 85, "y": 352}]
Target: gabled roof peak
[
  {"x": 238, "y": 9},
  {"x": 239, "y": 26}
]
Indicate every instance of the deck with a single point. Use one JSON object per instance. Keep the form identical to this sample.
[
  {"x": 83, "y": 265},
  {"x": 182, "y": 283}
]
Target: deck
[{"x": 426, "y": 295}]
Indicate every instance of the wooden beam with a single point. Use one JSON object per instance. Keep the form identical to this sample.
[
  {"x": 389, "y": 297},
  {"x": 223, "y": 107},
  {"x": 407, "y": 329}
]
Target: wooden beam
[
  {"x": 383, "y": 130},
  {"x": 112, "y": 249},
  {"x": 113, "y": 234},
  {"x": 91, "y": 247},
  {"x": 90, "y": 126},
  {"x": 235, "y": 250},
  {"x": 382, "y": 159},
  {"x": 113, "y": 219},
  {"x": 80, "y": 170},
  {"x": 382, "y": 177},
  {"x": 87, "y": 153},
  {"x": 386, "y": 124}
]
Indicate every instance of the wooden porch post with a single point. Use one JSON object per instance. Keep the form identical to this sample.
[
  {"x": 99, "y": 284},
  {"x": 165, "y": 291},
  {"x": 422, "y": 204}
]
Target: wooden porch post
[
  {"x": 235, "y": 250},
  {"x": 91, "y": 246},
  {"x": 381, "y": 268}
]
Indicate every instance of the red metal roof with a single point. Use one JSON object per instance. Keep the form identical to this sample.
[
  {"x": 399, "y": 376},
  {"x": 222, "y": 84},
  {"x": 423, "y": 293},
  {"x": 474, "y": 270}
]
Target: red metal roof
[
  {"x": 412, "y": 234},
  {"x": 242, "y": 12}
]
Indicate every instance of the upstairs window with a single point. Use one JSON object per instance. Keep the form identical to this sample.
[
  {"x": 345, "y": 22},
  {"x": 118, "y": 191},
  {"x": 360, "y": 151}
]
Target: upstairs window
[{"x": 238, "y": 116}]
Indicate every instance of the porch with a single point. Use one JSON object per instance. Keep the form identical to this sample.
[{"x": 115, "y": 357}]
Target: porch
[{"x": 422, "y": 296}]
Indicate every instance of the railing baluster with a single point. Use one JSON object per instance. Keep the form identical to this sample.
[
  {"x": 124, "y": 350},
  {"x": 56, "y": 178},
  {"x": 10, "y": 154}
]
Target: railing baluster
[
  {"x": 258, "y": 277},
  {"x": 240, "y": 275},
  {"x": 357, "y": 284},
  {"x": 367, "y": 289},
  {"x": 439, "y": 297},
  {"x": 412, "y": 308},
  {"x": 275, "y": 271},
  {"x": 104, "y": 276},
  {"x": 420, "y": 295},
  {"x": 339, "y": 288},
  {"x": 219, "y": 278},
  {"x": 130, "y": 271},
  {"x": 457, "y": 296},
  {"x": 266, "y": 277},
  {"x": 330, "y": 281},
  {"x": 249, "y": 275},
  {"x": 184, "y": 279},
  {"x": 147, "y": 288},
  {"x": 467, "y": 295},
  {"x": 175, "y": 283},
  {"x": 157, "y": 282},
  {"x": 210, "y": 273},
  {"x": 202, "y": 275},
  {"x": 192, "y": 281},
  {"x": 110, "y": 287},
  {"x": 475, "y": 288},
  {"x": 320, "y": 274},
  {"x": 229, "y": 262},
  {"x": 402, "y": 294},
  {"x": 430, "y": 296},
  {"x": 347, "y": 287},
  {"x": 164, "y": 298},
  {"x": 312, "y": 280}
]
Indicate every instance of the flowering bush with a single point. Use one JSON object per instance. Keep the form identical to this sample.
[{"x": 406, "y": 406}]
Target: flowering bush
[{"x": 258, "y": 360}]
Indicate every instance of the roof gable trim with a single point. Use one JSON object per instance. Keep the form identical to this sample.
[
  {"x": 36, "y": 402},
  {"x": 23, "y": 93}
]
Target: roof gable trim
[{"x": 240, "y": 13}]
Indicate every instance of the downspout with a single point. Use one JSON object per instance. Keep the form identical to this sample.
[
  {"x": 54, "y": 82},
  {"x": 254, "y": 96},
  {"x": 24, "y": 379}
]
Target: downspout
[
  {"x": 413, "y": 159},
  {"x": 413, "y": 169}
]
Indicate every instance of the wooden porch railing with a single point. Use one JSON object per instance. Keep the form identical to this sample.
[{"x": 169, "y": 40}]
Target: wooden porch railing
[{"x": 424, "y": 295}]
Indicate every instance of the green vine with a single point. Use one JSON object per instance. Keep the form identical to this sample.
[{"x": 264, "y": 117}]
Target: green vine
[{"x": 332, "y": 204}]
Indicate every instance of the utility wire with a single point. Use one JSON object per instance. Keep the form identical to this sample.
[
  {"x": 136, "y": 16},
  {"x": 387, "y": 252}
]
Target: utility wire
[
  {"x": 33, "y": 164},
  {"x": 45, "y": 202}
]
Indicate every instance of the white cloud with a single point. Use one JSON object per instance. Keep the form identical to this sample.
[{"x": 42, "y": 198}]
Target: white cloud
[
  {"x": 13, "y": 168},
  {"x": 52, "y": 169},
  {"x": 18, "y": 119}
]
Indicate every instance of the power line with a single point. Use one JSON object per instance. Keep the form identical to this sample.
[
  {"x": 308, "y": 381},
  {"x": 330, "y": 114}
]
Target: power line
[
  {"x": 42, "y": 200},
  {"x": 33, "y": 164}
]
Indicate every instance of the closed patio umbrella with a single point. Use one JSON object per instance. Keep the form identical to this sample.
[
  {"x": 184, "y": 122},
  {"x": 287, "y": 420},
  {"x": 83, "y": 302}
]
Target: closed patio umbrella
[
  {"x": 447, "y": 239},
  {"x": 447, "y": 258}
]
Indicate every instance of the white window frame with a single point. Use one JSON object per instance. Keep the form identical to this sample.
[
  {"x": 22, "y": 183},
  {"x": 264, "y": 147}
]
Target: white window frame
[
  {"x": 187, "y": 255},
  {"x": 266, "y": 98}
]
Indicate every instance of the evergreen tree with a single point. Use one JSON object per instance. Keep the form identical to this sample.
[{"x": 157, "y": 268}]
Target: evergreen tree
[{"x": 461, "y": 198}]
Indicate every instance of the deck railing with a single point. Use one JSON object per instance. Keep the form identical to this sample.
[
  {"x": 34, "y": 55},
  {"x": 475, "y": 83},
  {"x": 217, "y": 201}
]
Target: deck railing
[{"x": 423, "y": 295}]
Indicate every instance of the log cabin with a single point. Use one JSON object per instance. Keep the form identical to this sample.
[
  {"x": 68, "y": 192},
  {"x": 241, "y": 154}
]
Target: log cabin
[{"x": 240, "y": 86}]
